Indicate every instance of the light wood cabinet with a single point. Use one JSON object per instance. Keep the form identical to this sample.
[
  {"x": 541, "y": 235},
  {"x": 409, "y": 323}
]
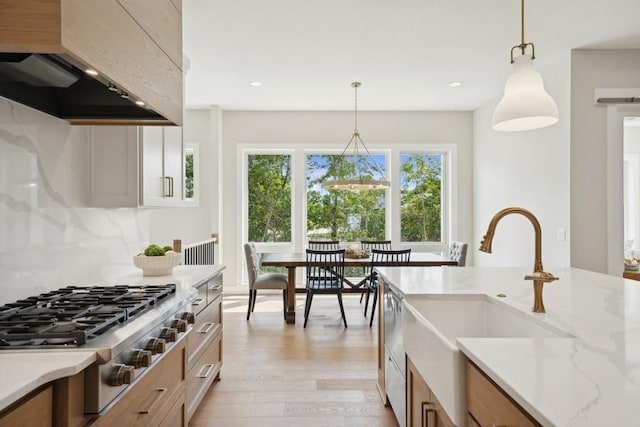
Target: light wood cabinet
[
  {"x": 204, "y": 344},
  {"x": 489, "y": 406},
  {"x": 34, "y": 410},
  {"x": 153, "y": 398},
  {"x": 134, "y": 166},
  {"x": 423, "y": 408},
  {"x": 136, "y": 47}
]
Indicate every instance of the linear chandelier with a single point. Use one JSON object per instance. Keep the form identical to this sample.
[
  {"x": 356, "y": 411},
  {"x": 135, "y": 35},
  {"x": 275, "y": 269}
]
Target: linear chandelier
[
  {"x": 359, "y": 181},
  {"x": 525, "y": 104}
]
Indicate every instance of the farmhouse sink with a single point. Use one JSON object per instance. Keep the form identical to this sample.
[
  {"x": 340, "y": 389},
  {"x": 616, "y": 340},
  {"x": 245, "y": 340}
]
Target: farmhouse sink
[{"x": 431, "y": 325}]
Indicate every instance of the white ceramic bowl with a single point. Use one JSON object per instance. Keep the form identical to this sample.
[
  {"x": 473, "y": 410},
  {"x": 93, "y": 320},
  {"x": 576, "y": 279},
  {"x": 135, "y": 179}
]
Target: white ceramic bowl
[{"x": 157, "y": 265}]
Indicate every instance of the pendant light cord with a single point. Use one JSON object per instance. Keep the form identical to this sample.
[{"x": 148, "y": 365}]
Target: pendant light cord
[{"x": 523, "y": 46}]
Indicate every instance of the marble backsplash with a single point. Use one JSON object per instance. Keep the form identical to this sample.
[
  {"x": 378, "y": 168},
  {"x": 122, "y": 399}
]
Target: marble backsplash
[{"x": 49, "y": 236}]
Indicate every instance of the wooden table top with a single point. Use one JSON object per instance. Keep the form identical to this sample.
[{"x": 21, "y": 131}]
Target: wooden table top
[{"x": 298, "y": 259}]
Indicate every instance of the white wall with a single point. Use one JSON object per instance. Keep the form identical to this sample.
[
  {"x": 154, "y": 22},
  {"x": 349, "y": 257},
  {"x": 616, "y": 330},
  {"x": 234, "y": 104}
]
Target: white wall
[
  {"x": 596, "y": 203},
  {"x": 526, "y": 169}
]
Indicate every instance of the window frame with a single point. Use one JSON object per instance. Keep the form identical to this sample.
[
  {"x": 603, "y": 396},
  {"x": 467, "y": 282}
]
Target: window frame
[{"x": 299, "y": 152}]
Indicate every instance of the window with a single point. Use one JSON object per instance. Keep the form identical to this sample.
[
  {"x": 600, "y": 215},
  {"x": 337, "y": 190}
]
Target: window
[
  {"x": 269, "y": 197},
  {"x": 421, "y": 203},
  {"x": 191, "y": 172},
  {"x": 348, "y": 216}
]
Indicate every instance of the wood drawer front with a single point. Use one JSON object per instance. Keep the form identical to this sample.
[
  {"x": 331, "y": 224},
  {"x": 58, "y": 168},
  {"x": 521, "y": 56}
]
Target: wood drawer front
[
  {"x": 176, "y": 415},
  {"x": 208, "y": 325},
  {"x": 202, "y": 375},
  {"x": 148, "y": 402},
  {"x": 489, "y": 405},
  {"x": 200, "y": 303},
  {"x": 33, "y": 411}
]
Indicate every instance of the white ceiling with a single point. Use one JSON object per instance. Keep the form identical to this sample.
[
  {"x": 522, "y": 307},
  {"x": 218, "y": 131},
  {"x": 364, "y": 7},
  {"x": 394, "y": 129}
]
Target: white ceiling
[{"x": 405, "y": 52}]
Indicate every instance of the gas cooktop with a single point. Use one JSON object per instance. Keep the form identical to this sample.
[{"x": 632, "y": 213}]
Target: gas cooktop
[{"x": 73, "y": 315}]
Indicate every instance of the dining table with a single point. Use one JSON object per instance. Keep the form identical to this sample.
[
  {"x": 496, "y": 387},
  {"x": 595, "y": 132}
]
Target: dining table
[{"x": 293, "y": 260}]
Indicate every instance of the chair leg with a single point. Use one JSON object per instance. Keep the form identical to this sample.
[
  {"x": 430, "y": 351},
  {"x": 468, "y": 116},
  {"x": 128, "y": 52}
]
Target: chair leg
[
  {"x": 361, "y": 296},
  {"x": 373, "y": 305},
  {"x": 250, "y": 303},
  {"x": 284, "y": 303},
  {"x": 344, "y": 319},
  {"x": 255, "y": 297},
  {"x": 366, "y": 301},
  {"x": 307, "y": 307}
]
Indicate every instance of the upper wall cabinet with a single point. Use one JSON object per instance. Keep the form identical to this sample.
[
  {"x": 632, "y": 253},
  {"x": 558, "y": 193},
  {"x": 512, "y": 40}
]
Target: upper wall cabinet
[
  {"x": 136, "y": 166},
  {"x": 135, "y": 48}
]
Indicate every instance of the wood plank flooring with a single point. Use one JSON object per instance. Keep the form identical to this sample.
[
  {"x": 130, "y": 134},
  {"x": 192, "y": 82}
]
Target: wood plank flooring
[{"x": 276, "y": 374}]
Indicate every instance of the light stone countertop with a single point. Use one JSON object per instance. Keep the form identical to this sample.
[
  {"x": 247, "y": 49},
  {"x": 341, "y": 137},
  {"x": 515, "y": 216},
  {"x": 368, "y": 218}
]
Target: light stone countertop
[
  {"x": 588, "y": 381},
  {"x": 25, "y": 370}
]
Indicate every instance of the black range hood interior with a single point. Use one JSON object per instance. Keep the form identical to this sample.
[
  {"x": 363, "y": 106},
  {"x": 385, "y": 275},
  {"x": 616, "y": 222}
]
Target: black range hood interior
[{"x": 56, "y": 85}]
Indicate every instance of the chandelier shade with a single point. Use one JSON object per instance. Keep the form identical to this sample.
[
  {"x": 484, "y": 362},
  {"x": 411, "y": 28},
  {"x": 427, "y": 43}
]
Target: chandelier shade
[
  {"x": 362, "y": 181},
  {"x": 525, "y": 104}
]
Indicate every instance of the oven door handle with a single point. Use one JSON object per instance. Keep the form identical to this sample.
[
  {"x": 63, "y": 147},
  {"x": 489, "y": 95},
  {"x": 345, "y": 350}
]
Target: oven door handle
[{"x": 158, "y": 393}]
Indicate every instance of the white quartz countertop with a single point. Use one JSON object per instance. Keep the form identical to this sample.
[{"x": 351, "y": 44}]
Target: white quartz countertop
[
  {"x": 24, "y": 371},
  {"x": 590, "y": 380}
]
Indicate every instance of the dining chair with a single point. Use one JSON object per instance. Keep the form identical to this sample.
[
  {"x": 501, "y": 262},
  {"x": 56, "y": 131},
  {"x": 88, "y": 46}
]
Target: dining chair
[
  {"x": 381, "y": 257},
  {"x": 458, "y": 252},
  {"x": 325, "y": 275},
  {"x": 324, "y": 245},
  {"x": 260, "y": 280},
  {"x": 368, "y": 245}
]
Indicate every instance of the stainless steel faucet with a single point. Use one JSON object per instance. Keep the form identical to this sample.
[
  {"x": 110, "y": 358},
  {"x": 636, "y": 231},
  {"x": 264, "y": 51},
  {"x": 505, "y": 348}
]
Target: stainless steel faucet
[{"x": 539, "y": 276}]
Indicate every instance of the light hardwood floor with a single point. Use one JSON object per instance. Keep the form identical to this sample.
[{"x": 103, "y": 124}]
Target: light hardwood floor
[{"x": 276, "y": 374}]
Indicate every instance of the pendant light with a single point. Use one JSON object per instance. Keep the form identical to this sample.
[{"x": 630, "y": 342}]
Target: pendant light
[
  {"x": 525, "y": 104},
  {"x": 357, "y": 182}
]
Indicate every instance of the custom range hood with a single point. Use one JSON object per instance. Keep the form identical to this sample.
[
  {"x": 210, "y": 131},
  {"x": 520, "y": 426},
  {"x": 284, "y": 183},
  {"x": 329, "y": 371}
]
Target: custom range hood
[{"x": 94, "y": 62}]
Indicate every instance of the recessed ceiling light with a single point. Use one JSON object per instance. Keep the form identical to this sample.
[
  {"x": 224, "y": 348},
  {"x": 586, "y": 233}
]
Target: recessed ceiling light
[
  {"x": 255, "y": 83},
  {"x": 140, "y": 103},
  {"x": 455, "y": 84},
  {"x": 91, "y": 72}
]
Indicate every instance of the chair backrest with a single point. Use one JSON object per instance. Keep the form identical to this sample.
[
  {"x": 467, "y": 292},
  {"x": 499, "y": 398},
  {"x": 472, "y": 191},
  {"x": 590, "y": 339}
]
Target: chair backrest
[
  {"x": 458, "y": 252},
  {"x": 325, "y": 269},
  {"x": 375, "y": 244},
  {"x": 253, "y": 262},
  {"x": 386, "y": 258},
  {"x": 324, "y": 245}
]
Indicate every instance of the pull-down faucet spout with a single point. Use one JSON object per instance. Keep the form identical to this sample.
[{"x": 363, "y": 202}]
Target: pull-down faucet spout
[{"x": 539, "y": 276}]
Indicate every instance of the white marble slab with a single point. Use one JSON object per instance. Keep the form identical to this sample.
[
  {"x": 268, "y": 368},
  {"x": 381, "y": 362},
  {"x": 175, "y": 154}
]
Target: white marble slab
[
  {"x": 590, "y": 381},
  {"x": 22, "y": 372}
]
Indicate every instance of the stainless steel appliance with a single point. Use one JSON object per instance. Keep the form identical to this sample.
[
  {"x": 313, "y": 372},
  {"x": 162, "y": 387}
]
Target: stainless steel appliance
[
  {"x": 129, "y": 327},
  {"x": 395, "y": 361}
]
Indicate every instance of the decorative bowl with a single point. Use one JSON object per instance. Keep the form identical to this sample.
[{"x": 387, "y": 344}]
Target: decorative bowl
[{"x": 157, "y": 265}]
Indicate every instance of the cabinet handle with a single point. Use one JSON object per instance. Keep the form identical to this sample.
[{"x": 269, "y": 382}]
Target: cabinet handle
[
  {"x": 215, "y": 288},
  {"x": 207, "y": 370},
  {"x": 159, "y": 392},
  {"x": 429, "y": 414},
  {"x": 206, "y": 328},
  {"x": 168, "y": 190},
  {"x": 197, "y": 301}
]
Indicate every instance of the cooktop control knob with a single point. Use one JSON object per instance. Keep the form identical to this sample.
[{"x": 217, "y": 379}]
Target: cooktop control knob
[
  {"x": 169, "y": 334},
  {"x": 140, "y": 358},
  {"x": 156, "y": 345},
  {"x": 189, "y": 317},
  {"x": 120, "y": 375},
  {"x": 180, "y": 325}
]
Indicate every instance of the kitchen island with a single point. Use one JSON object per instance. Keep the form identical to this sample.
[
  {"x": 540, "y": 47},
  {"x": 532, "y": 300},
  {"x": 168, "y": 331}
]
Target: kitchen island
[{"x": 591, "y": 377}]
